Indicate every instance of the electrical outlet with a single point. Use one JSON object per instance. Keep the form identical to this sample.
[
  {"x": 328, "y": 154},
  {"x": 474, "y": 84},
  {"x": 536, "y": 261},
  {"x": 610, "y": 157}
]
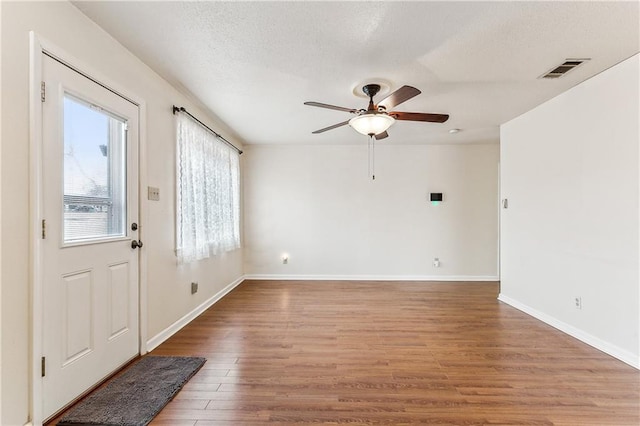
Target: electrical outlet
[
  {"x": 578, "y": 302},
  {"x": 153, "y": 193},
  {"x": 194, "y": 287},
  {"x": 285, "y": 260},
  {"x": 436, "y": 262}
]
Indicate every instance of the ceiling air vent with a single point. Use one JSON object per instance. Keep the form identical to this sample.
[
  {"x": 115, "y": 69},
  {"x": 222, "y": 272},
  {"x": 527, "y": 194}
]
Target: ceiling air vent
[{"x": 564, "y": 68}]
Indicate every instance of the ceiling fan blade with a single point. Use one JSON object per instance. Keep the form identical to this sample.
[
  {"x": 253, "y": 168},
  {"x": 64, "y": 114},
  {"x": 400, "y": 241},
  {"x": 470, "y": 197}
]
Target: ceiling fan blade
[
  {"x": 420, "y": 116},
  {"x": 335, "y": 126},
  {"x": 382, "y": 135},
  {"x": 338, "y": 108},
  {"x": 401, "y": 95}
]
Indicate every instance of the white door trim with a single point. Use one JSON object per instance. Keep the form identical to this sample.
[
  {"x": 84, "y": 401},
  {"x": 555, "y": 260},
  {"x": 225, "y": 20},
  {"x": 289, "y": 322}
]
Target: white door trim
[{"x": 37, "y": 48}]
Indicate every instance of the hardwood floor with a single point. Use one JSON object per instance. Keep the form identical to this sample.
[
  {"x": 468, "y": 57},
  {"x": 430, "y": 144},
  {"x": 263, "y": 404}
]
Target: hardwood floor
[
  {"x": 392, "y": 353},
  {"x": 284, "y": 352}
]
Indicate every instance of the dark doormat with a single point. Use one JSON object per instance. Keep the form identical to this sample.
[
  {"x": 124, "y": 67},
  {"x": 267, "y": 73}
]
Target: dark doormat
[{"x": 136, "y": 396}]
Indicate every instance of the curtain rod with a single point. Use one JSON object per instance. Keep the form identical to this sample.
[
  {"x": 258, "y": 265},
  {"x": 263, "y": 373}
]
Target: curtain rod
[{"x": 218, "y": 135}]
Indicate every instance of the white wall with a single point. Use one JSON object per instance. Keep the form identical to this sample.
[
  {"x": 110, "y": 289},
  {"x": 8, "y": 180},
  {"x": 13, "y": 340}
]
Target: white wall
[
  {"x": 318, "y": 204},
  {"x": 0, "y": 227},
  {"x": 570, "y": 171},
  {"x": 168, "y": 285}
]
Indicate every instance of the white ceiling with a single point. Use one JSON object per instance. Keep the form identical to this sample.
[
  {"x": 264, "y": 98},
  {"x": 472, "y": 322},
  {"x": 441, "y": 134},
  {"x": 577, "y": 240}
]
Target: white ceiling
[{"x": 253, "y": 64}]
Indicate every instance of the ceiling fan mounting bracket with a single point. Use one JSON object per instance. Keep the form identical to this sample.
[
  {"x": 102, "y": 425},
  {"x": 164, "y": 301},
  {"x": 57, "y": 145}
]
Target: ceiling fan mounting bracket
[{"x": 371, "y": 90}]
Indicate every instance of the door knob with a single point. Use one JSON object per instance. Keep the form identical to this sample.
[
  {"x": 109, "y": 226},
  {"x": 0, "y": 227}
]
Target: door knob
[{"x": 135, "y": 244}]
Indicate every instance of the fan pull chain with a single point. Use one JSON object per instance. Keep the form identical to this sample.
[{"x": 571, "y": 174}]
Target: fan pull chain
[
  {"x": 369, "y": 156},
  {"x": 372, "y": 157}
]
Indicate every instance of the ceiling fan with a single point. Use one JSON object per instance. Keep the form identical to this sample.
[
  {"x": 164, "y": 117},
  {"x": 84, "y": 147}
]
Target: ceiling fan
[{"x": 376, "y": 119}]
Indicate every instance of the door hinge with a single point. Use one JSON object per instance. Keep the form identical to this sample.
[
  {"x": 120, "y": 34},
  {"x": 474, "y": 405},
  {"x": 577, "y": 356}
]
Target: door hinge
[
  {"x": 44, "y": 229},
  {"x": 43, "y": 367},
  {"x": 42, "y": 91}
]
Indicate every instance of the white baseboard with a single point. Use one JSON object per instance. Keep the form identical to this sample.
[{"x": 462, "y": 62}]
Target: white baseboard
[
  {"x": 606, "y": 347},
  {"x": 156, "y": 340},
  {"x": 372, "y": 277}
]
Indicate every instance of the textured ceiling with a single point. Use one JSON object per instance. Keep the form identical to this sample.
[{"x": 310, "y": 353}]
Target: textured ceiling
[{"x": 253, "y": 64}]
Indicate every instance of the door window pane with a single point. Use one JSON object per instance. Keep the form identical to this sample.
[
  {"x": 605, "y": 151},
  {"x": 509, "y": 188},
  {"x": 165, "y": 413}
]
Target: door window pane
[{"x": 94, "y": 172}]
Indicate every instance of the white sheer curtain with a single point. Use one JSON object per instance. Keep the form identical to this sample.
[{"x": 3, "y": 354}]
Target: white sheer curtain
[{"x": 208, "y": 193}]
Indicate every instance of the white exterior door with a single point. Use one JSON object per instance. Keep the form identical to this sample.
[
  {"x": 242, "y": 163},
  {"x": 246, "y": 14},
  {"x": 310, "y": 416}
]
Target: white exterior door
[{"x": 90, "y": 211}]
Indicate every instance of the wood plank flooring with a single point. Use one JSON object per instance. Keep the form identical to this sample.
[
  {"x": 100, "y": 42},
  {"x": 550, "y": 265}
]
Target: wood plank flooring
[
  {"x": 285, "y": 352},
  {"x": 390, "y": 353}
]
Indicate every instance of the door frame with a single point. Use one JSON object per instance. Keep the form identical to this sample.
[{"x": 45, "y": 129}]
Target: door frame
[{"x": 38, "y": 47}]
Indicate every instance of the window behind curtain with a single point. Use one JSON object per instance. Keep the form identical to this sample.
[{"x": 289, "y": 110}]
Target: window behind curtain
[{"x": 208, "y": 193}]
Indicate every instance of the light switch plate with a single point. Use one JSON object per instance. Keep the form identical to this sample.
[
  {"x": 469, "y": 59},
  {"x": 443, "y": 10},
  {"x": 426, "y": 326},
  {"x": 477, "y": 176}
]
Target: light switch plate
[{"x": 154, "y": 193}]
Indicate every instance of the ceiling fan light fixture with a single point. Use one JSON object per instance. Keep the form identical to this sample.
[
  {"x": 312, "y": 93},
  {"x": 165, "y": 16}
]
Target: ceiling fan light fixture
[{"x": 371, "y": 123}]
